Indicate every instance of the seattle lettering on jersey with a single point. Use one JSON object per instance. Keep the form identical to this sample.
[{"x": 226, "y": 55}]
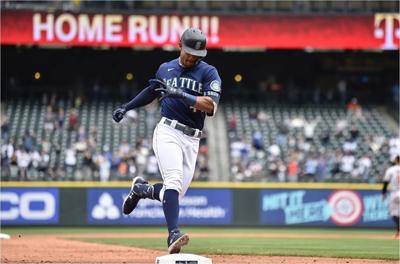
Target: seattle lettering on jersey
[{"x": 183, "y": 82}]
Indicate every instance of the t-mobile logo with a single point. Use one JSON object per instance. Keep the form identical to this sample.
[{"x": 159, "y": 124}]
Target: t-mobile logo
[{"x": 387, "y": 27}]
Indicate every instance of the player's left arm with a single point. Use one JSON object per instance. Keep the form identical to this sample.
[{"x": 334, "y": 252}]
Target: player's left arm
[
  {"x": 211, "y": 93},
  {"x": 205, "y": 104}
]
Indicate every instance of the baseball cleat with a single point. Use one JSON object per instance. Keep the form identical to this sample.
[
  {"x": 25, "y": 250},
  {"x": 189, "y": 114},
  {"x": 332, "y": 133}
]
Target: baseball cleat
[
  {"x": 176, "y": 240},
  {"x": 132, "y": 199},
  {"x": 143, "y": 190}
]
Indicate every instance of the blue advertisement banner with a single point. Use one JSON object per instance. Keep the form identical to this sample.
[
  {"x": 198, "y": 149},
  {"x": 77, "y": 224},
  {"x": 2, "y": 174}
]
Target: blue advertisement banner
[
  {"x": 324, "y": 208},
  {"x": 199, "y": 206},
  {"x": 29, "y": 206}
]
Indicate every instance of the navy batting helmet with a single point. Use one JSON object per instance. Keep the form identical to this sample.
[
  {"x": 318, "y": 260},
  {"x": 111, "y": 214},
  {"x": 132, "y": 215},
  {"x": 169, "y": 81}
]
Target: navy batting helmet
[{"x": 194, "y": 42}]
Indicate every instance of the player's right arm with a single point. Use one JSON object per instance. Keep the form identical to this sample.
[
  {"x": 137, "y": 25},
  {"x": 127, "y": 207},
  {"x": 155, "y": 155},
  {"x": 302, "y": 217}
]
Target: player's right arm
[{"x": 146, "y": 96}]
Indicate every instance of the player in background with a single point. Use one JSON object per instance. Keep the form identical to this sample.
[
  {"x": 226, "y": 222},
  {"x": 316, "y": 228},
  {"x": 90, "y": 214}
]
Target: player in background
[
  {"x": 188, "y": 89},
  {"x": 392, "y": 179}
]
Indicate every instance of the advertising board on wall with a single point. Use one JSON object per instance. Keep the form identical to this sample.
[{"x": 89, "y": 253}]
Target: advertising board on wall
[
  {"x": 324, "y": 208},
  {"x": 26, "y": 206},
  {"x": 199, "y": 206}
]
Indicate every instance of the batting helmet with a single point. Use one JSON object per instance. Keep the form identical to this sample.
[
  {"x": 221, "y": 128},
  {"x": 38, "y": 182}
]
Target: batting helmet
[{"x": 194, "y": 42}]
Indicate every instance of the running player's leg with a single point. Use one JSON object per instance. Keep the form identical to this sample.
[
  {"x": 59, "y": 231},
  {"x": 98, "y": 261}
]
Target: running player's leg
[
  {"x": 189, "y": 162},
  {"x": 168, "y": 151}
]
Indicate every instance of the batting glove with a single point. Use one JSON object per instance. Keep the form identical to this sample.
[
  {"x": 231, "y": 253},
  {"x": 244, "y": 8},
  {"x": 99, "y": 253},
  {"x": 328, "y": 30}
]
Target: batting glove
[
  {"x": 167, "y": 90},
  {"x": 119, "y": 113}
]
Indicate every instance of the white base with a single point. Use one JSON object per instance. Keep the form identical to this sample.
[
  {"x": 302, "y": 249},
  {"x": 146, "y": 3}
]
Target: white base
[
  {"x": 4, "y": 236},
  {"x": 182, "y": 259}
]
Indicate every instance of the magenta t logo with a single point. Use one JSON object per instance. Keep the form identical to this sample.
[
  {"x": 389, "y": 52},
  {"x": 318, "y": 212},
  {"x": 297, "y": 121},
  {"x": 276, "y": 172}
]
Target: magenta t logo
[{"x": 390, "y": 32}]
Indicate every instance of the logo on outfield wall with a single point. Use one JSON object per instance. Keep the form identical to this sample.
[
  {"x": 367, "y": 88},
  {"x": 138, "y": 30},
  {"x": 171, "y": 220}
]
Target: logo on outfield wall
[
  {"x": 199, "y": 206},
  {"x": 105, "y": 209},
  {"x": 346, "y": 207},
  {"x": 387, "y": 27},
  {"x": 29, "y": 206}
]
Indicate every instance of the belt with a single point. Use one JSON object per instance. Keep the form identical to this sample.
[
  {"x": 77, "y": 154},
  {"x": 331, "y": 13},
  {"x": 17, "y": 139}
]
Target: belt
[{"x": 187, "y": 130}]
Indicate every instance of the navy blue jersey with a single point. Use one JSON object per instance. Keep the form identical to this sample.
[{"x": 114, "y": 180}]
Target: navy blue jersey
[{"x": 199, "y": 80}]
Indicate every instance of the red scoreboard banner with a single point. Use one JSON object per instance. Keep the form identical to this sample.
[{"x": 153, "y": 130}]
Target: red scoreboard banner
[{"x": 379, "y": 31}]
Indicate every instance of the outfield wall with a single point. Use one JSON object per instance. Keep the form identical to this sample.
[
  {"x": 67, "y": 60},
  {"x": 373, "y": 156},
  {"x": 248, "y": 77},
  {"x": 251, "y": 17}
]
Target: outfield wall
[{"x": 213, "y": 204}]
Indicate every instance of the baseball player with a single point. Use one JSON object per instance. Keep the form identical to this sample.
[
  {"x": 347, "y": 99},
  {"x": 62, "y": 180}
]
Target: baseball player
[
  {"x": 188, "y": 89},
  {"x": 392, "y": 178}
]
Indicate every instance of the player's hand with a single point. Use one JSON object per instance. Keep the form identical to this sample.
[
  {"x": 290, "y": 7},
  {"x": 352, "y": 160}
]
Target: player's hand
[
  {"x": 166, "y": 90},
  {"x": 119, "y": 113}
]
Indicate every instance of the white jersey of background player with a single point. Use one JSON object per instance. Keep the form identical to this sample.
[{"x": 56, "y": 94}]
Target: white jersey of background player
[{"x": 391, "y": 182}]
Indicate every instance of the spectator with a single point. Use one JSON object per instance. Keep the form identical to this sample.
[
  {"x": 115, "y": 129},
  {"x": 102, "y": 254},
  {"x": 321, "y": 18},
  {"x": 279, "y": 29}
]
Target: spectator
[
  {"x": 73, "y": 120},
  {"x": 274, "y": 150},
  {"x": 232, "y": 126},
  {"x": 283, "y": 131},
  {"x": 354, "y": 132},
  {"x": 61, "y": 118},
  {"x": 28, "y": 141},
  {"x": 322, "y": 168},
  {"x": 236, "y": 147},
  {"x": 141, "y": 156},
  {"x": 347, "y": 164},
  {"x": 132, "y": 167},
  {"x": 292, "y": 169},
  {"x": 325, "y": 137},
  {"x": 354, "y": 110},
  {"x": 350, "y": 146},
  {"x": 104, "y": 168},
  {"x": 281, "y": 171},
  {"x": 70, "y": 157},
  {"x": 123, "y": 169},
  {"x": 262, "y": 116},
  {"x": 124, "y": 150},
  {"x": 394, "y": 146},
  {"x": 257, "y": 140},
  {"x": 335, "y": 163},
  {"x": 88, "y": 165},
  {"x": 363, "y": 168},
  {"x": 202, "y": 166},
  {"x": 310, "y": 168},
  {"x": 375, "y": 143},
  {"x": 309, "y": 129},
  {"x": 49, "y": 119},
  {"x": 44, "y": 165},
  {"x": 5, "y": 128},
  {"x": 152, "y": 167},
  {"x": 36, "y": 158},
  {"x": 23, "y": 161},
  {"x": 340, "y": 128}
]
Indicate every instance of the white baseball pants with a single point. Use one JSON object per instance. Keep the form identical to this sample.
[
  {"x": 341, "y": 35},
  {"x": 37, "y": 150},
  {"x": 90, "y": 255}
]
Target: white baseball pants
[{"x": 176, "y": 155}]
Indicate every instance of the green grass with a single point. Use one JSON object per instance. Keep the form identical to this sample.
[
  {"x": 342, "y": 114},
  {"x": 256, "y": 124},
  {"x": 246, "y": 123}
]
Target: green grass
[
  {"x": 157, "y": 229},
  {"x": 323, "y": 247},
  {"x": 340, "y": 248}
]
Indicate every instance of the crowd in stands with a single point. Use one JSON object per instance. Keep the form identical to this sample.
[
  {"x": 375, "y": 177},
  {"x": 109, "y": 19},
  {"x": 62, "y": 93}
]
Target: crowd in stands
[
  {"x": 301, "y": 148},
  {"x": 39, "y": 155},
  {"x": 298, "y": 153},
  {"x": 298, "y": 6}
]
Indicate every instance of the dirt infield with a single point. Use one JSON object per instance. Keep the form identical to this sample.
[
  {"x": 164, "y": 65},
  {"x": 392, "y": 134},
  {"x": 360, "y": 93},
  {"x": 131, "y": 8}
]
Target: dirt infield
[{"x": 56, "y": 249}]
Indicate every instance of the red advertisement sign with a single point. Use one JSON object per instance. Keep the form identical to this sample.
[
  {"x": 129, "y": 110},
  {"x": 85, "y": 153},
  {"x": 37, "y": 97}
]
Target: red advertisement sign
[{"x": 379, "y": 31}]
